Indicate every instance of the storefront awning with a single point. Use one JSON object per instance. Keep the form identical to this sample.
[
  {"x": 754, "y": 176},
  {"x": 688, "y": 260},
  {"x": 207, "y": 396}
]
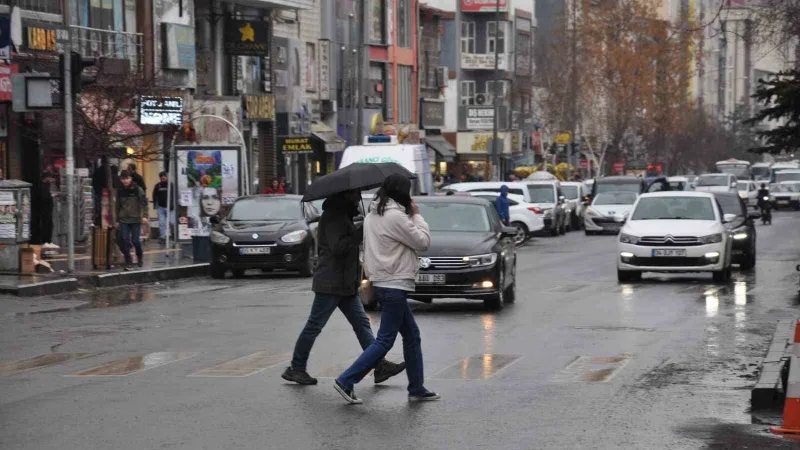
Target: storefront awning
[
  {"x": 440, "y": 145},
  {"x": 333, "y": 143}
]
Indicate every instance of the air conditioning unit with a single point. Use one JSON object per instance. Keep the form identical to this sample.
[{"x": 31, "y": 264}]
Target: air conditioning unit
[
  {"x": 441, "y": 76},
  {"x": 481, "y": 99}
]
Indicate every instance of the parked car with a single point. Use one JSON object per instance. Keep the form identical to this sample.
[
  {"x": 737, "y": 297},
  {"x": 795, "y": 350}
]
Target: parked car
[
  {"x": 545, "y": 195},
  {"x": 675, "y": 232},
  {"x": 608, "y": 212},
  {"x": 472, "y": 254},
  {"x": 525, "y": 217},
  {"x": 786, "y": 194},
  {"x": 681, "y": 183},
  {"x": 748, "y": 191},
  {"x": 717, "y": 182},
  {"x": 575, "y": 193},
  {"x": 264, "y": 232},
  {"x": 627, "y": 183},
  {"x": 742, "y": 228}
]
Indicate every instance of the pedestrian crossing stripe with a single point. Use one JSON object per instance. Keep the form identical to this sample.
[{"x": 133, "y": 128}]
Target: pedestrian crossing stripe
[
  {"x": 244, "y": 366},
  {"x": 135, "y": 364}
]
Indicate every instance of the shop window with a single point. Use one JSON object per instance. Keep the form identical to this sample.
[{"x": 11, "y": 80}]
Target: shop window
[
  {"x": 467, "y": 37},
  {"x": 493, "y": 38},
  {"x": 468, "y": 92}
]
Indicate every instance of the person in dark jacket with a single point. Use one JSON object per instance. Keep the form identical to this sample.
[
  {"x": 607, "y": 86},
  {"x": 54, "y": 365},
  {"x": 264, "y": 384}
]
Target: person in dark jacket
[
  {"x": 335, "y": 285},
  {"x": 136, "y": 177},
  {"x": 131, "y": 213},
  {"x": 44, "y": 209},
  {"x": 160, "y": 197},
  {"x": 502, "y": 204}
]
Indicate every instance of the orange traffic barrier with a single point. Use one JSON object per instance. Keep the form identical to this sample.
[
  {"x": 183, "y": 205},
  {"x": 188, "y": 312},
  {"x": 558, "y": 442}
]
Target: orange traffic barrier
[
  {"x": 791, "y": 406},
  {"x": 796, "y": 347}
]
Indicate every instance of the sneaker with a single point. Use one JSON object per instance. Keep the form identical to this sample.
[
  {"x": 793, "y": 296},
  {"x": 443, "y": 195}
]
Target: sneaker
[
  {"x": 127, "y": 267},
  {"x": 140, "y": 263},
  {"x": 298, "y": 376},
  {"x": 387, "y": 369},
  {"x": 348, "y": 394},
  {"x": 426, "y": 397}
]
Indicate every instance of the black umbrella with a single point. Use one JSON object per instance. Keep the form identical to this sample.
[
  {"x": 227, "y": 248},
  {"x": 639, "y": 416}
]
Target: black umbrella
[{"x": 360, "y": 176}]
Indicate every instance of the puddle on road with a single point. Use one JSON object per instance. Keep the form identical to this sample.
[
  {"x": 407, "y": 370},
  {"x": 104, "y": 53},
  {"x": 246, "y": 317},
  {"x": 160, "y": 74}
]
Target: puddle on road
[
  {"x": 567, "y": 289},
  {"x": 478, "y": 367},
  {"x": 610, "y": 328},
  {"x": 38, "y": 362},
  {"x": 592, "y": 369},
  {"x": 245, "y": 366},
  {"x": 123, "y": 367}
]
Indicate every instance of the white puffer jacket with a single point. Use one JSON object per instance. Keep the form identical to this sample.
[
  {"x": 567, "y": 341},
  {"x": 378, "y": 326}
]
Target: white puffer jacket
[{"x": 392, "y": 241}]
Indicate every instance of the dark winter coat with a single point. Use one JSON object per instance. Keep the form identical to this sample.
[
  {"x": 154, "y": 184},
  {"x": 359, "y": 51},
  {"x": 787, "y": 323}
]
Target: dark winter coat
[
  {"x": 139, "y": 181},
  {"x": 338, "y": 240},
  {"x": 160, "y": 196},
  {"x": 131, "y": 204}
]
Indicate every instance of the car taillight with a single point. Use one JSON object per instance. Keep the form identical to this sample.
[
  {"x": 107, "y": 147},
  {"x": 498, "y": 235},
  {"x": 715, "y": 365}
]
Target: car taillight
[{"x": 535, "y": 209}]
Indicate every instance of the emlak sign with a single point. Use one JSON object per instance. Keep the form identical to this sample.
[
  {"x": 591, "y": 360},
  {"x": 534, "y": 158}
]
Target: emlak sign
[{"x": 483, "y": 5}]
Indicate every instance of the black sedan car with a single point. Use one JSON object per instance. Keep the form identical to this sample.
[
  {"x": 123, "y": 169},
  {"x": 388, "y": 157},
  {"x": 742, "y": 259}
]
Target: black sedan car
[
  {"x": 742, "y": 228},
  {"x": 263, "y": 232},
  {"x": 472, "y": 255}
]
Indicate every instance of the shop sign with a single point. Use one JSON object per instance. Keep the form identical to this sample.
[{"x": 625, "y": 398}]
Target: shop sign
[
  {"x": 160, "y": 110},
  {"x": 43, "y": 38},
  {"x": 563, "y": 138},
  {"x": 6, "y": 70},
  {"x": 432, "y": 114},
  {"x": 483, "y": 5},
  {"x": 480, "y": 118},
  {"x": 180, "y": 47},
  {"x": 247, "y": 37},
  {"x": 516, "y": 143},
  {"x": 295, "y": 144},
  {"x": 619, "y": 167},
  {"x": 259, "y": 107},
  {"x": 485, "y": 61},
  {"x": 324, "y": 69}
]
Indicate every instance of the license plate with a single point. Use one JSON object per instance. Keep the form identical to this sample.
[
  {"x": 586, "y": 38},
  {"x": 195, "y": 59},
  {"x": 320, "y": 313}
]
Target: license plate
[
  {"x": 783, "y": 202},
  {"x": 430, "y": 278},
  {"x": 613, "y": 226},
  {"x": 670, "y": 252},
  {"x": 255, "y": 251}
]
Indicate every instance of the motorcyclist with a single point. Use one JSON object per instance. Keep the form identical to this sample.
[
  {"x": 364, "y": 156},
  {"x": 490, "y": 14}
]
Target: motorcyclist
[{"x": 762, "y": 194}]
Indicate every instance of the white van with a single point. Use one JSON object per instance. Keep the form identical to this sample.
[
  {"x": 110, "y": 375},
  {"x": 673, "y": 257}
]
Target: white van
[{"x": 412, "y": 157}]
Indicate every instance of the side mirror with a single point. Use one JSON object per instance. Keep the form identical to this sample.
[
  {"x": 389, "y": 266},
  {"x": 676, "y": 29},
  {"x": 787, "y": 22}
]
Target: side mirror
[
  {"x": 754, "y": 214},
  {"x": 727, "y": 218},
  {"x": 215, "y": 220},
  {"x": 734, "y": 184},
  {"x": 508, "y": 232},
  {"x": 311, "y": 213},
  {"x": 562, "y": 199}
]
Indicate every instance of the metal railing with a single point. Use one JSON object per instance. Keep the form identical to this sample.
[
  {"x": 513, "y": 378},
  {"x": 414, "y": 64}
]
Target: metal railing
[
  {"x": 108, "y": 43},
  {"x": 42, "y": 6}
]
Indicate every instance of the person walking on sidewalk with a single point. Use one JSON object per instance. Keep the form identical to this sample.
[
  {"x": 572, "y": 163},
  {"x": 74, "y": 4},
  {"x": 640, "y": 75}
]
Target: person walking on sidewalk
[
  {"x": 394, "y": 232},
  {"x": 160, "y": 196},
  {"x": 131, "y": 213},
  {"x": 335, "y": 285}
]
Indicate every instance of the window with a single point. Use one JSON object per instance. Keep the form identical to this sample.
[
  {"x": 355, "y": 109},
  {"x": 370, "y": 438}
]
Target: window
[
  {"x": 403, "y": 24},
  {"x": 467, "y": 37},
  {"x": 467, "y": 92},
  {"x": 405, "y": 95},
  {"x": 489, "y": 90},
  {"x": 491, "y": 37}
]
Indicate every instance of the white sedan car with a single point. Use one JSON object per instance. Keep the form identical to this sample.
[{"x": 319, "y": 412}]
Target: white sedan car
[
  {"x": 786, "y": 194},
  {"x": 608, "y": 212},
  {"x": 525, "y": 217},
  {"x": 675, "y": 232}
]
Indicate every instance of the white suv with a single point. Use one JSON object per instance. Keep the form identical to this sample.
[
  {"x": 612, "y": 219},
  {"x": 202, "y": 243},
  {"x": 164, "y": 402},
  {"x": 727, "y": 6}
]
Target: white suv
[{"x": 675, "y": 232}]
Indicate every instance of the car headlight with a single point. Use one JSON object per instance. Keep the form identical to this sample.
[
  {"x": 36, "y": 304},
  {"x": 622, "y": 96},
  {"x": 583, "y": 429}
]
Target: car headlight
[
  {"x": 481, "y": 260},
  {"x": 294, "y": 236},
  {"x": 710, "y": 239},
  {"x": 628, "y": 239},
  {"x": 219, "y": 238},
  {"x": 742, "y": 195}
]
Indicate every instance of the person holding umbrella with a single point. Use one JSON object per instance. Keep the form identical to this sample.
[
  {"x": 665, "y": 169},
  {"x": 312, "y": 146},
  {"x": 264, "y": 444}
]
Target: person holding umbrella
[{"x": 337, "y": 277}]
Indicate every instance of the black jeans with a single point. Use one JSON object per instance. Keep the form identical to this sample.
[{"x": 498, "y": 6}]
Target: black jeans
[
  {"x": 324, "y": 305},
  {"x": 129, "y": 232}
]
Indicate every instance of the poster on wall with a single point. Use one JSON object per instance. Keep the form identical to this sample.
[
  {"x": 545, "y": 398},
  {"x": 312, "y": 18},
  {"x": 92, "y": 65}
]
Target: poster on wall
[
  {"x": 208, "y": 183},
  {"x": 8, "y": 215}
]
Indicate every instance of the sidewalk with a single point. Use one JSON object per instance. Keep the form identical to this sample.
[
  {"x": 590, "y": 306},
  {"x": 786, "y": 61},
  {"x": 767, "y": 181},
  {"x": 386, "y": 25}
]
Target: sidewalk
[{"x": 158, "y": 264}]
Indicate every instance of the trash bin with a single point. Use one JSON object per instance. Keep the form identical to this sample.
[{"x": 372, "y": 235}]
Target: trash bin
[{"x": 201, "y": 249}]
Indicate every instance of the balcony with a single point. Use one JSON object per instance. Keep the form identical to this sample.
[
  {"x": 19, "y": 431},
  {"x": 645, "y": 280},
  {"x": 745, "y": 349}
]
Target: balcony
[
  {"x": 39, "y": 6},
  {"x": 119, "y": 45},
  {"x": 483, "y": 61}
]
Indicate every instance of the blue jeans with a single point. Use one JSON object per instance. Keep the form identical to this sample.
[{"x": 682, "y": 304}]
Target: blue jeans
[
  {"x": 324, "y": 305},
  {"x": 129, "y": 232},
  {"x": 162, "y": 221},
  {"x": 396, "y": 317}
]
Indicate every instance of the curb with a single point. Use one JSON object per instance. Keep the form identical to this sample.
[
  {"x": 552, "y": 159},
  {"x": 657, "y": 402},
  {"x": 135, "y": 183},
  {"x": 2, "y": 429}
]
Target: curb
[
  {"x": 41, "y": 288},
  {"x": 148, "y": 275},
  {"x": 769, "y": 393}
]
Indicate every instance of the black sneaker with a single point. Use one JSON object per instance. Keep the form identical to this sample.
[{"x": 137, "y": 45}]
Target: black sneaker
[
  {"x": 298, "y": 376},
  {"x": 126, "y": 267},
  {"x": 348, "y": 394},
  {"x": 387, "y": 369},
  {"x": 426, "y": 397},
  {"x": 140, "y": 263}
]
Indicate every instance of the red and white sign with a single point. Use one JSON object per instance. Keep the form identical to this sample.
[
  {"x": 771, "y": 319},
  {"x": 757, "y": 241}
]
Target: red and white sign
[
  {"x": 619, "y": 167},
  {"x": 584, "y": 164},
  {"x": 483, "y": 5},
  {"x": 536, "y": 138},
  {"x": 5, "y": 81}
]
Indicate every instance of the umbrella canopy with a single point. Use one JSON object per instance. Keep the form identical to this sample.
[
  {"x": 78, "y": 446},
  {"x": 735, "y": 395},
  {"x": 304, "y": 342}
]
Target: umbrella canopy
[{"x": 358, "y": 176}]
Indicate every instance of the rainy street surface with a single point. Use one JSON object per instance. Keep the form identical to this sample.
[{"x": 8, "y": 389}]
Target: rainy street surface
[{"x": 578, "y": 362}]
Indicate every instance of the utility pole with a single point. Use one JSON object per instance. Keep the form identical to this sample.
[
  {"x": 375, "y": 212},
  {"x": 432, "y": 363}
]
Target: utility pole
[
  {"x": 360, "y": 73},
  {"x": 573, "y": 87},
  {"x": 496, "y": 100},
  {"x": 66, "y": 89}
]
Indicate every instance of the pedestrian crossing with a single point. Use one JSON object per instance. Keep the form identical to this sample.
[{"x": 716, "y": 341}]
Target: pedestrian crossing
[{"x": 472, "y": 368}]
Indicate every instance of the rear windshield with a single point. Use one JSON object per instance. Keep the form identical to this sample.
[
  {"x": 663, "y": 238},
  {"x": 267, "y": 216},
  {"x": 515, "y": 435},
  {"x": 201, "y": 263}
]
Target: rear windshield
[
  {"x": 541, "y": 193},
  {"x": 674, "y": 208},
  {"x": 712, "y": 180},
  {"x": 571, "y": 192},
  {"x": 610, "y": 186}
]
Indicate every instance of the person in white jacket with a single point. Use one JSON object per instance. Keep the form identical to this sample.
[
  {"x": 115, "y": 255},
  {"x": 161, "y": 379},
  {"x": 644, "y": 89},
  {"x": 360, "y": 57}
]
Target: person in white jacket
[{"x": 394, "y": 232}]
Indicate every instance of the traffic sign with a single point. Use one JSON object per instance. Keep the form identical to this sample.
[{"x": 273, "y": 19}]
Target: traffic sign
[{"x": 563, "y": 138}]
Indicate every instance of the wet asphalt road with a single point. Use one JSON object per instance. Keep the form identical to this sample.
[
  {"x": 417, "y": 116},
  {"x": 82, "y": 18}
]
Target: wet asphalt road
[{"x": 579, "y": 361}]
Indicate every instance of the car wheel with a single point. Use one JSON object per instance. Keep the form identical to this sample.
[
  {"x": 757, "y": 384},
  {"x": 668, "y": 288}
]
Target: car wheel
[
  {"x": 217, "y": 271},
  {"x": 576, "y": 223},
  {"x": 750, "y": 259},
  {"x": 627, "y": 276},
  {"x": 563, "y": 228},
  {"x": 496, "y": 301},
  {"x": 522, "y": 232},
  {"x": 722, "y": 276},
  {"x": 554, "y": 230},
  {"x": 511, "y": 290},
  {"x": 238, "y": 273},
  {"x": 308, "y": 267},
  {"x": 796, "y": 206}
]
